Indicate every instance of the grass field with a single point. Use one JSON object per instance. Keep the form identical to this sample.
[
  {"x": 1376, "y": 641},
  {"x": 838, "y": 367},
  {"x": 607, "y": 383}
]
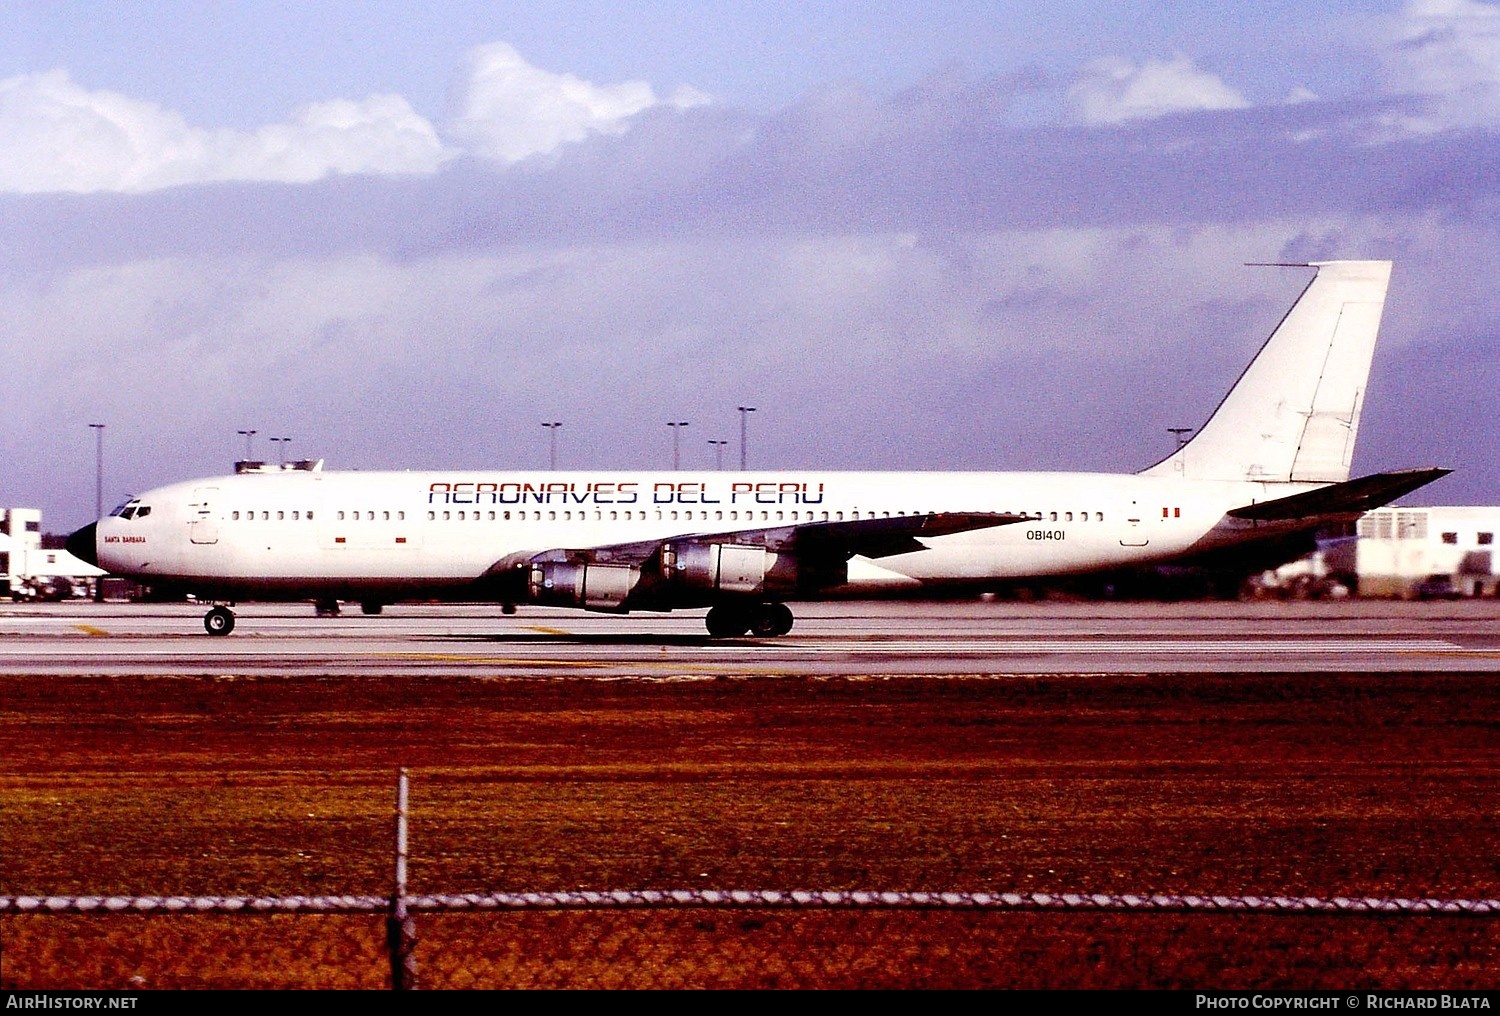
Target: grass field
[{"x": 1271, "y": 784}]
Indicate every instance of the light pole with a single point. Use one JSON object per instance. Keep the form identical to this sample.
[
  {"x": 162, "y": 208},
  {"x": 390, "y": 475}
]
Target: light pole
[
  {"x": 1178, "y": 433},
  {"x": 718, "y": 452},
  {"x": 247, "y": 435},
  {"x": 98, "y": 429},
  {"x": 676, "y": 430},
  {"x": 552, "y": 443},
  {"x": 745, "y": 412},
  {"x": 283, "y": 441}
]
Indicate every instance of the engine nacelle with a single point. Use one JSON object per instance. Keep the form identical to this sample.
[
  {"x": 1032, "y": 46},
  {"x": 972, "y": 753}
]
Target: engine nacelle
[
  {"x": 591, "y": 586},
  {"x": 744, "y": 570}
]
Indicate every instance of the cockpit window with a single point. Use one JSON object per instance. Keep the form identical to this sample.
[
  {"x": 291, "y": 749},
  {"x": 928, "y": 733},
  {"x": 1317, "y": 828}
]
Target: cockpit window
[
  {"x": 143, "y": 511},
  {"x": 128, "y": 509}
]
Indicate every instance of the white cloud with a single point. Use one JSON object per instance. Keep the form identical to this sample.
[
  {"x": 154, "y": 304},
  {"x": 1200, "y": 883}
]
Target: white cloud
[
  {"x": 1114, "y": 90},
  {"x": 686, "y": 97},
  {"x": 63, "y": 137},
  {"x": 511, "y": 110},
  {"x": 1448, "y": 52},
  {"x": 382, "y": 134},
  {"x": 60, "y": 136}
]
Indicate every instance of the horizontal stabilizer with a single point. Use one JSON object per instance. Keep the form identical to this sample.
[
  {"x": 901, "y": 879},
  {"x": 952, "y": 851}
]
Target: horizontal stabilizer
[{"x": 1348, "y": 498}]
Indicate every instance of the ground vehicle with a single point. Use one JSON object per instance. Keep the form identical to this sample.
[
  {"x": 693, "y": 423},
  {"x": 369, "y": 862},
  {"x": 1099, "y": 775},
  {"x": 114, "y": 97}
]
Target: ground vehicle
[{"x": 1438, "y": 587}]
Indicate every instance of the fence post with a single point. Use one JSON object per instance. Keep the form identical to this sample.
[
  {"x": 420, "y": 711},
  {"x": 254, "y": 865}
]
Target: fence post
[{"x": 400, "y": 929}]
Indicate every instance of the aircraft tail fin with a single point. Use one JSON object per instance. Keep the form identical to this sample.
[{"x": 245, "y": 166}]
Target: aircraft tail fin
[
  {"x": 1352, "y": 498},
  {"x": 1294, "y": 413}
]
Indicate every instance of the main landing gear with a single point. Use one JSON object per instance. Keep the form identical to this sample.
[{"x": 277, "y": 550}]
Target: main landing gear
[
  {"x": 764, "y": 619},
  {"x": 219, "y": 621}
]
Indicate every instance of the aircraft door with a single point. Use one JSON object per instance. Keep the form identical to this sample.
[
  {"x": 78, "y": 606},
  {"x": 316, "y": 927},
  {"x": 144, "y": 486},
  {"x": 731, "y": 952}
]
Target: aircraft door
[
  {"x": 1135, "y": 535},
  {"x": 203, "y": 527}
]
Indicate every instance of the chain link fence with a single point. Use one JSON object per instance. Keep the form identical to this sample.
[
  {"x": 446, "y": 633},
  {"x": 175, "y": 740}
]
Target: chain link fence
[{"x": 685, "y": 938}]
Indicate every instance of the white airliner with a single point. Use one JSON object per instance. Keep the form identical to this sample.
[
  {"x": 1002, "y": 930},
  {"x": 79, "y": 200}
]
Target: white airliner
[{"x": 1272, "y": 461}]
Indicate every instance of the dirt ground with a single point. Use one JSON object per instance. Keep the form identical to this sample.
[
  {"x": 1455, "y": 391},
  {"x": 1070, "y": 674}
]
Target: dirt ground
[{"x": 1295, "y": 784}]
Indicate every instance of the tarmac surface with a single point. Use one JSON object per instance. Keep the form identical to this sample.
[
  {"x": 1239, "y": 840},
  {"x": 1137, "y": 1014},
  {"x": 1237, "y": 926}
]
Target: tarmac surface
[{"x": 973, "y": 636}]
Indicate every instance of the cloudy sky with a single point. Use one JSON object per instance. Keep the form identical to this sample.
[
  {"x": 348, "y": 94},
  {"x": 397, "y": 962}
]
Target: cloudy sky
[{"x": 966, "y": 235}]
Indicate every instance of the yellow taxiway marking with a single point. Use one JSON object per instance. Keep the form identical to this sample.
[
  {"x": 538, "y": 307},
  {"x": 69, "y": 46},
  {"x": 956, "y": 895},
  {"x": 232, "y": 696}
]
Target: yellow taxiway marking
[
  {"x": 89, "y": 629},
  {"x": 522, "y": 661},
  {"x": 547, "y": 631},
  {"x": 499, "y": 660}
]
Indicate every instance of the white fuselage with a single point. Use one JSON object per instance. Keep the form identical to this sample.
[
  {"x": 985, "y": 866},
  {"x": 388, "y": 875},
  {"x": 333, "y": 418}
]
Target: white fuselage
[{"x": 302, "y": 533}]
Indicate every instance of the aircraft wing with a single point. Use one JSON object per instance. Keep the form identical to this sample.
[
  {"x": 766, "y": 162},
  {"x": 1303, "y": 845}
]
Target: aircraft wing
[
  {"x": 1351, "y": 497},
  {"x": 885, "y": 537},
  {"x": 840, "y": 540}
]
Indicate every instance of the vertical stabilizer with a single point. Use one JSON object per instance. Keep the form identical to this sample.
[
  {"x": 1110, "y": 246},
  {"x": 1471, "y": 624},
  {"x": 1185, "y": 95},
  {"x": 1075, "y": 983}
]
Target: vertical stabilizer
[{"x": 1294, "y": 412}]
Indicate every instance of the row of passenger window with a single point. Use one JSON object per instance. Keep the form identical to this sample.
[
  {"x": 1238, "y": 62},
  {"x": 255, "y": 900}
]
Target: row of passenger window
[
  {"x": 296, "y": 515},
  {"x": 659, "y": 514},
  {"x": 1063, "y": 516},
  {"x": 598, "y": 515},
  {"x": 266, "y": 516},
  {"x": 717, "y": 515}
]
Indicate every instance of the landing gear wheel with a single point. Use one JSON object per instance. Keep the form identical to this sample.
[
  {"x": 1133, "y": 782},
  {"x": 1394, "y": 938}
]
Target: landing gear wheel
[
  {"x": 726, "y": 621},
  {"x": 772, "y": 619},
  {"x": 326, "y": 608},
  {"x": 371, "y": 609},
  {"x": 219, "y": 621}
]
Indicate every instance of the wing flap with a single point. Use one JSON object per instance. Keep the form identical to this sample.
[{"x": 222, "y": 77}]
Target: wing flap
[{"x": 1351, "y": 497}]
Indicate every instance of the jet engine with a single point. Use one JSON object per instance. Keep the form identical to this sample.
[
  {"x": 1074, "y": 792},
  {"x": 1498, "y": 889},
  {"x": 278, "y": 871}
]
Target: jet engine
[
  {"x": 689, "y": 573},
  {"x": 746, "y": 570},
  {"x": 603, "y": 587}
]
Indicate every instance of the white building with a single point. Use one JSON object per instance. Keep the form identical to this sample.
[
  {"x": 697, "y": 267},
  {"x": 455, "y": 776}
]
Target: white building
[
  {"x": 1427, "y": 552},
  {"x": 1406, "y": 553},
  {"x": 28, "y": 571}
]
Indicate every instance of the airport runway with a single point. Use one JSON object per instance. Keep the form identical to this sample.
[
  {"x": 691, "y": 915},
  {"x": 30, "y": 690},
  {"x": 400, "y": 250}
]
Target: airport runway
[{"x": 970, "y": 637}]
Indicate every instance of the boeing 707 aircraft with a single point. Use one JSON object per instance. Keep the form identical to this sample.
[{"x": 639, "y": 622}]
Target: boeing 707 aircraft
[{"x": 1271, "y": 462}]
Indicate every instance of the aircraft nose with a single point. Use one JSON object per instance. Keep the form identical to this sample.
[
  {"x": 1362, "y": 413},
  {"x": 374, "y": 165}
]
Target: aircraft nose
[{"x": 83, "y": 544}]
